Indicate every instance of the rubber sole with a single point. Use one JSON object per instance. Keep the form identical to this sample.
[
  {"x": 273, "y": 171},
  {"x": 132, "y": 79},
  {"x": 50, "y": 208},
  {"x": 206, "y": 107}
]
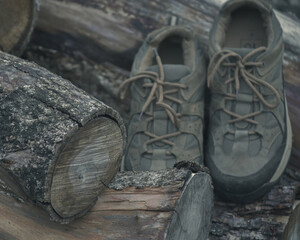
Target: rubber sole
[
  {"x": 261, "y": 191},
  {"x": 246, "y": 198},
  {"x": 287, "y": 151}
]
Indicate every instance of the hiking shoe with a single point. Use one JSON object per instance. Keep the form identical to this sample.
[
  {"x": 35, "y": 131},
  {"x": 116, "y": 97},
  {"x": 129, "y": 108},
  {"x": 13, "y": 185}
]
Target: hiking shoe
[
  {"x": 167, "y": 88},
  {"x": 249, "y": 135}
]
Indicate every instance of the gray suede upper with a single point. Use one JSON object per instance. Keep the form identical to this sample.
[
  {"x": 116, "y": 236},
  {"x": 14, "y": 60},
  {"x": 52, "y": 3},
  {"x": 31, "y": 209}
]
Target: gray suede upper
[
  {"x": 188, "y": 145},
  {"x": 241, "y": 162}
]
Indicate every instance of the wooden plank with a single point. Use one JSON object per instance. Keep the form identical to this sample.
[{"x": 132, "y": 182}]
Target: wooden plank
[
  {"x": 292, "y": 230},
  {"x": 136, "y": 205}
]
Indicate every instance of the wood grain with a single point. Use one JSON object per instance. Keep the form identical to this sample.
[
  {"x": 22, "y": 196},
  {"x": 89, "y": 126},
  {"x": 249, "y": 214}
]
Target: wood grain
[
  {"x": 87, "y": 163},
  {"x": 136, "y": 205},
  {"x": 116, "y": 29}
]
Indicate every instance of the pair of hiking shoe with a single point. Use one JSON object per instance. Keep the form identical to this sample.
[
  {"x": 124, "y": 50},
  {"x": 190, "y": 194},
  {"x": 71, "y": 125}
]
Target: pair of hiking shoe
[{"x": 248, "y": 132}]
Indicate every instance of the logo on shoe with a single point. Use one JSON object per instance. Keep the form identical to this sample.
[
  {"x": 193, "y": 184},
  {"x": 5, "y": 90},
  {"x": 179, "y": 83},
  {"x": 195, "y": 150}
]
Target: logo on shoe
[{"x": 251, "y": 43}]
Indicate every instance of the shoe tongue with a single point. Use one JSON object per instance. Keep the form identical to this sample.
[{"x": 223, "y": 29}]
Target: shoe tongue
[
  {"x": 161, "y": 125},
  {"x": 173, "y": 72},
  {"x": 242, "y": 51},
  {"x": 240, "y": 107}
]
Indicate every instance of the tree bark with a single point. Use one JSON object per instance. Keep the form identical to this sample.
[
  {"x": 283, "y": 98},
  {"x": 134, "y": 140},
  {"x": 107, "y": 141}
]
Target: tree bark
[
  {"x": 264, "y": 219},
  {"x": 95, "y": 32},
  {"x": 169, "y": 204},
  {"x": 17, "y": 19},
  {"x": 60, "y": 145}
]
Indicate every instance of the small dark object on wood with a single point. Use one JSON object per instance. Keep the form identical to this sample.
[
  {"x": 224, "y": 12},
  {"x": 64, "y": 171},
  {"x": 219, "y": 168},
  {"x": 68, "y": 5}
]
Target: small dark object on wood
[
  {"x": 60, "y": 145},
  {"x": 17, "y": 18},
  {"x": 192, "y": 166}
]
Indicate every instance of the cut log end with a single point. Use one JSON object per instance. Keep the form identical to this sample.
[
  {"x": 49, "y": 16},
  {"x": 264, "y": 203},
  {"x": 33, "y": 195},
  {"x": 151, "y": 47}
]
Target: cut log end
[
  {"x": 63, "y": 152},
  {"x": 17, "y": 18},
  {"x": 85, "y": 166}
]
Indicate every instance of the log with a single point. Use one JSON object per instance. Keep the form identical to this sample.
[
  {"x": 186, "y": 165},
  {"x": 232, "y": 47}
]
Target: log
[
  {"x": 292, "y": 229},
  {"x": 112, "y": 31},
  {"x": 288, "y": 6},
  {"x": 99, "y": 80},
  {"x": 17, "y": 19},
  {"x": 169, "y": 204},
  {"x": 264, "y": 219},
  {"x": 59, "y": 144},
  {"x": 117, "y": 29}
]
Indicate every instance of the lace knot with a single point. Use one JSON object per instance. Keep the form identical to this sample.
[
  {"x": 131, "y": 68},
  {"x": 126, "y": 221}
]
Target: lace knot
[
  {"x": 240, "y": 64},
  {"x": 157, "y": 90},
  {"x": 242, "y": 73}
]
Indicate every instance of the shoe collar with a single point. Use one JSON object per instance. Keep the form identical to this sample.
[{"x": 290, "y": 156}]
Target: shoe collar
[
  {"x": 218, "y": 31},
  {"x": 274, "y": 49},
  {"x": 155, "y": 38}
]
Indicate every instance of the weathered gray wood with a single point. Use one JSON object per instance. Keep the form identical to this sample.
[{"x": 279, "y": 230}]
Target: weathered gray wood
[
  {"x": 289, "y": 6},
  {"x": 17, "y": 18},
  {"x": 292, "y": 229},
  {"x": 136, "y": 205},
  {"x": 118, "y": 28},
  {"x": 86, "y": 164},
  {"x": 191, "y": 219},
  {"x": 61, "y": 145}
]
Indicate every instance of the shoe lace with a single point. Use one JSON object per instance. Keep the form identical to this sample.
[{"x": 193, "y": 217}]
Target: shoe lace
[
  {"x": 157, "y": 92},
  {"x": 243, "y": 69}
]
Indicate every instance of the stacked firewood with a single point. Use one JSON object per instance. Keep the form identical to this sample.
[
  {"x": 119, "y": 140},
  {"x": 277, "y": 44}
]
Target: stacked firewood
[{"x": 92, "y": 43}]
